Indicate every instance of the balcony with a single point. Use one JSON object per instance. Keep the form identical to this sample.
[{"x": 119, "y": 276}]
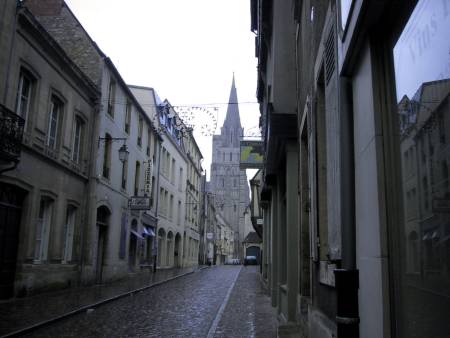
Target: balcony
[{"x": 11, "y": 131}]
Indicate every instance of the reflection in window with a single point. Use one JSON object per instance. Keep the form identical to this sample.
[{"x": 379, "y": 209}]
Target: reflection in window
[{"x": 422, "y": 79}]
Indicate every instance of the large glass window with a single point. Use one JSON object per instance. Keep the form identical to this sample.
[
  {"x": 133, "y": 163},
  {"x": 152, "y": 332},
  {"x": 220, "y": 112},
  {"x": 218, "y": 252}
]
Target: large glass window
[{"x": 422, "y": 79}]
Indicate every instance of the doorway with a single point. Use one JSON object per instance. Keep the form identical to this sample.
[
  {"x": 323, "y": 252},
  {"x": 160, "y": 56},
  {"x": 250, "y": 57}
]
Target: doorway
[
  {"x": 103, "y": 215},
  {"x": 11, "y": 199},
  {"x": 132, "y": 247}
]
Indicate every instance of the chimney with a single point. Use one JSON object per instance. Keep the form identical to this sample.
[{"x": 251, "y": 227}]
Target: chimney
[{"x": 44, "y": 7}]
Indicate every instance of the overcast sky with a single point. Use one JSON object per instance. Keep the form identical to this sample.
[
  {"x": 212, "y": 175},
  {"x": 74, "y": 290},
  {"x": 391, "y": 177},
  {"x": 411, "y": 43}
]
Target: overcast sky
[{"x": 186, "y": 50}]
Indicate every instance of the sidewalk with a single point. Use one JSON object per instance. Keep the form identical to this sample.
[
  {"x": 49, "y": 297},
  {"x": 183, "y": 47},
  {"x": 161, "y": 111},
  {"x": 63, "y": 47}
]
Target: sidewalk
[
  {"x": 19, "y": 313},
  {"x": 249, "y": 312}
]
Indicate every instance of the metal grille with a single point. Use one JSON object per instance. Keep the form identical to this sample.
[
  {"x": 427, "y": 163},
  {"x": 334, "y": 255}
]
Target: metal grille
[{"x": 329, "y": 56}]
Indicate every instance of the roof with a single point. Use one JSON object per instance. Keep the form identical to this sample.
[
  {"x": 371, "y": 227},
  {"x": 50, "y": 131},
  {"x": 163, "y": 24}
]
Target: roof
[{"x": 252, "y": 237}]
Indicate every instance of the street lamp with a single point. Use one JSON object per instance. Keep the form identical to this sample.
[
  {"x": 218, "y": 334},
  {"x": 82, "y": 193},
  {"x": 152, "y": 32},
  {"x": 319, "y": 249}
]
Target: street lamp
[{"x": 123, "y": 153}]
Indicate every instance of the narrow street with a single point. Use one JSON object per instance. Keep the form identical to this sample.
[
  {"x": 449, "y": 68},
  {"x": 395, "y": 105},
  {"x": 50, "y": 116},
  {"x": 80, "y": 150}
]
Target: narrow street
[{"x": 222, "y": 301}]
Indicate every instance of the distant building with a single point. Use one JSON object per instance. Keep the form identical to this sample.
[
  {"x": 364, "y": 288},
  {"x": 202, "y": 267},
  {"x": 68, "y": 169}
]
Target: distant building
[
  {"x": 224, "y": 241},
  {"x": 228, "y": 182}
]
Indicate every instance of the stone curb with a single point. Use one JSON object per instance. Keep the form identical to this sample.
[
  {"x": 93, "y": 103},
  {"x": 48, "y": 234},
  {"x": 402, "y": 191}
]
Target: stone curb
[{"x": 94, "y": 305}]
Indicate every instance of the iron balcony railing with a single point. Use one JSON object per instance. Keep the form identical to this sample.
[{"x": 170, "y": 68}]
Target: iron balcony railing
[{"x": 11, "y": 132}]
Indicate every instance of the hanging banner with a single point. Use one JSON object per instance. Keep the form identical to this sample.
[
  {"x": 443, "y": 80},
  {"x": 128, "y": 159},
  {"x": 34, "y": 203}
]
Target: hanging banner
[
  {"x": 148, "y": 178},
  {"x": 252, "y": 155}
]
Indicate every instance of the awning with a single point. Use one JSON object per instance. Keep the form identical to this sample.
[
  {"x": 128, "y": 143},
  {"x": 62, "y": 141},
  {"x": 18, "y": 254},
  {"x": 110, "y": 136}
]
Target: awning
[
  {"x": 136, "y": 234},
  {"x": 148, "y": 232}
]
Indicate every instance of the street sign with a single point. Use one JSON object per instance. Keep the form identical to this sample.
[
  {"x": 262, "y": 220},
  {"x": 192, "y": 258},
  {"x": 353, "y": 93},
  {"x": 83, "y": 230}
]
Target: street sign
[
  {"x": 139, "y": 203},
  {"x": 209, "y": 235}
]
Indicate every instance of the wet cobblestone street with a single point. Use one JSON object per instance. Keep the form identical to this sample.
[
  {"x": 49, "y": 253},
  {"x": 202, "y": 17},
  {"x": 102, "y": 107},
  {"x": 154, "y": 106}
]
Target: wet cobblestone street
[{"x": 185, "y": 307}]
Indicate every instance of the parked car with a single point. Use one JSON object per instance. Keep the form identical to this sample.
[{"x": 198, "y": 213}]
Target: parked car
[{"x": 250, "y": 260}]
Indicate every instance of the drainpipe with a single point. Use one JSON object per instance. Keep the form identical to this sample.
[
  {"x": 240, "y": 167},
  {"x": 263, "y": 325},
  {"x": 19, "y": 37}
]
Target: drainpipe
[
  {"x": 11, "y": 50},
  {"x": 157, "y": 199},
  {"x": 91, "y": 186},
  {"x": 347, "y": 278}
]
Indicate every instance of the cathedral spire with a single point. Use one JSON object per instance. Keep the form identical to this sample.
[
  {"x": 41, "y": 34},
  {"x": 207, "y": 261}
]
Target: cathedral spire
[{"x": 232, "y": 118}]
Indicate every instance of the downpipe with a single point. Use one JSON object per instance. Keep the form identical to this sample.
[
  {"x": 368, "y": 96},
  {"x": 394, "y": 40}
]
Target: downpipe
[{"x": 347, "y": 278}]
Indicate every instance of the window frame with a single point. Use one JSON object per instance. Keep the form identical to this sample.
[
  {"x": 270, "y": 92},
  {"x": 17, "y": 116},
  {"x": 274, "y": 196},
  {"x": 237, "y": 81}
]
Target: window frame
[
  {"x": 52, "y": 142},
  {"x": 78, "y": 153},
  {"x": 69, "y": 231},
  {"x": 107, "y": 152},
  {"x": 111, "y": 97},
  {"x": 42, "y": 229},
  {"x": 25, "y": 73}
]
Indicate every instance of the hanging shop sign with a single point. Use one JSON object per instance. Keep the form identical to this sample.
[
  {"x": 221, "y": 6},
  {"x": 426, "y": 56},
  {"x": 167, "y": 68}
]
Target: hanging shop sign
[
  {"x": 139, "y": 203},
  {"x": 148, "y": 178},
  {"x": 252, "y": 155}
]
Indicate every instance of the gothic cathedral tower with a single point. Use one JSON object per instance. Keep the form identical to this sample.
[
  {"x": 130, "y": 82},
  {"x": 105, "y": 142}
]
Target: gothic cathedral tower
[{"x": 228, "y": 182}]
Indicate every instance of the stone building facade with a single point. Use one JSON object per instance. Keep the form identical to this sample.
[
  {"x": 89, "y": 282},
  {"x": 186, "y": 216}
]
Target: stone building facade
[
  {"x": 354, "y": 101},
  {"x": 229, "y": 182},
  {"x": 44, "y": 199},
  {"x": 179, "y": 184},
  {"x": 118, "y": 239}
]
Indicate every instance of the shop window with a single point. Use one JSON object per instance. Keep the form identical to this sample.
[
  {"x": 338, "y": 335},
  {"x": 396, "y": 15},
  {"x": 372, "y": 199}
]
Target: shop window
[{"x": 422, "y": 78}]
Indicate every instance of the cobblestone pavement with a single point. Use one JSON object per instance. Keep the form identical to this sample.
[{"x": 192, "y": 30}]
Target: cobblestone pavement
[
  {"x": 184, "y": 307},
  {"x": 248, "y": 312},
  {"x": 19, "y": 313}
]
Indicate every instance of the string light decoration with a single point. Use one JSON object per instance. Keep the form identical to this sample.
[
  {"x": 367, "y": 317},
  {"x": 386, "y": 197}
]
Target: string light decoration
[{"x": 203, "y": 119}]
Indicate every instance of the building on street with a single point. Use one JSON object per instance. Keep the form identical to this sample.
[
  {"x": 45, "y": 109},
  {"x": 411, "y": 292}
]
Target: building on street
[
  {"x": 45, "y": 176},
  {"x": 354, "y": 103},
  {"x": 116, "y": 240}
]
